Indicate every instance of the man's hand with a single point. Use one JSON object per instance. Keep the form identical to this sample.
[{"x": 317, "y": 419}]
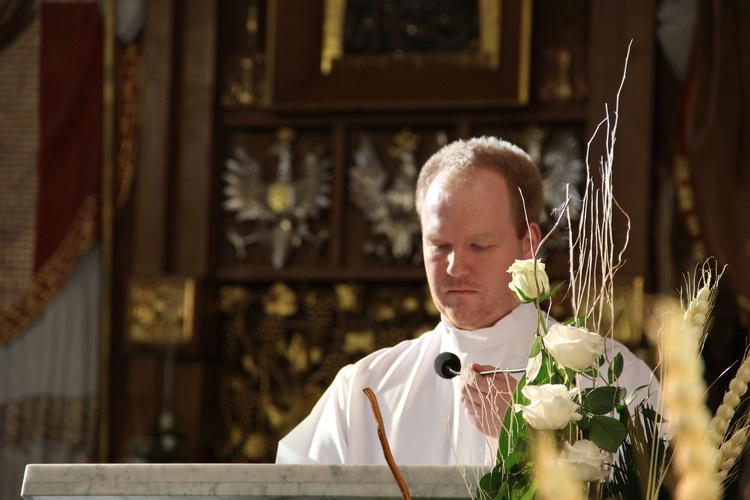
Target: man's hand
[{"x": 486, "y": 398}]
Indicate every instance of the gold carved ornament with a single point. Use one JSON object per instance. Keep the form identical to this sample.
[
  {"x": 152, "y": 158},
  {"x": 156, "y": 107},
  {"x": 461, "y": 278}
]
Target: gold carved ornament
[
  {"x": 284, "y": 344},
  {"x": 244, "y": 78},
  {"x": 161, "y": 311}
]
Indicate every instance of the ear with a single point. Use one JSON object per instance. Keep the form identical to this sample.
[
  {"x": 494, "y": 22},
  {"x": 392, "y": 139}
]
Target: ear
[{"x": 531, "y": 240}]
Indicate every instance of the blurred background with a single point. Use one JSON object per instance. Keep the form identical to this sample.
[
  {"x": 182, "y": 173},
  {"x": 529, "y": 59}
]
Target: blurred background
[{"x": 206, "y": 206}]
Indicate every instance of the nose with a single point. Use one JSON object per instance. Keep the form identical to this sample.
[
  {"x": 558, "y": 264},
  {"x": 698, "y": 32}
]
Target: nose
[{"x": 458, "y": 264}]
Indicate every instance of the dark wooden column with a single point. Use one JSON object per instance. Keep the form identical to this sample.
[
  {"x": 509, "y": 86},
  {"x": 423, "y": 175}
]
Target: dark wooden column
[
  {"x": 151, "y": 185},
  {"x": 613, "y": 26},
  {"x": 169, "y": 220}
]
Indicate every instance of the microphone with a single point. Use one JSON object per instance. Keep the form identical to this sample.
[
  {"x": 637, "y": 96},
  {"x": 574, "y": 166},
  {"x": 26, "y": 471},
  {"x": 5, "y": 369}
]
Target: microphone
[{"x": 447, "y": 365}]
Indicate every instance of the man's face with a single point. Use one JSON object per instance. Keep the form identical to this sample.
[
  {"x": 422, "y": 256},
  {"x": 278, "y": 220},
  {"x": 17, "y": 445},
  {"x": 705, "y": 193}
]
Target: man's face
[{"x": 469, "y": 242}]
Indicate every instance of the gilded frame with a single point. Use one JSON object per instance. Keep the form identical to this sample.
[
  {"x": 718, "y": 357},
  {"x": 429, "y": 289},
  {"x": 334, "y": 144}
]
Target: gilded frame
[
  {"x": 488, "y": 54},
  {"x": 308, "y": 70},
  {"x": 161, "y": 311}
]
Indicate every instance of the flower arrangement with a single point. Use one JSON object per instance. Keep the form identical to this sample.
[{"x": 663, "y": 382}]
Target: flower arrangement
[
  {"x": 572, "y": 423},
  {"x": 570, "y": 392}
]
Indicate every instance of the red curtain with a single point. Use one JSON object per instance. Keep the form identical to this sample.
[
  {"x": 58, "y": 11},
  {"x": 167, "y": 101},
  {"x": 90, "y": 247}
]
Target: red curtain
[{"x": 67, "y": 96}]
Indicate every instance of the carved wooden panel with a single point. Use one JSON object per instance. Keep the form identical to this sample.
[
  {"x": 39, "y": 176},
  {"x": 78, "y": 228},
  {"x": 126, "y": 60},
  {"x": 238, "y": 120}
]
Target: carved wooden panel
[
  {"x": 175, "y": 223},
  {"x": 312, "y": 69},
  {"x": 283, "y": 344}
]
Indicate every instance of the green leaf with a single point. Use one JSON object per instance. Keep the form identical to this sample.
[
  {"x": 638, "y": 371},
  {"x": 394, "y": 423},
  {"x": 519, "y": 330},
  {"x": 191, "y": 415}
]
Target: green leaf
[
  {"x": 545, "y": 375},
  {"x": 584, "y": 424},
  {"x": 651, "y": 414},
  {"x": 508, "y": 440},
  {"x": 524, "y": 490},
  {"x": 607, "y": 433},
  {"x": 552, "y": 293},
  {"x": 615, "y": 368},
  {"x": 524, "y": 298},
  {"x": 513, "y": 459},
  {"x": 489, "y": 484},
  {"x": 592, "y": 373},
  {"x": 642, "y": 460},
  {"x": 536, "y": 347},
  {"x": 577, "y": 321},
  {"x": 601, "y": 400},
  {"x": 569, "y": 377},
  {"x": 634, "y": 394},
  {"x": 513, "y": 422}
]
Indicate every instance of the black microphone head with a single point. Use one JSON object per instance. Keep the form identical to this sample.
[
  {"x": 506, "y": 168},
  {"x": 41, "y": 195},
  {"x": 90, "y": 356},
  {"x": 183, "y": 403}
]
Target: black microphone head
[{"x": 447, "y": 365}]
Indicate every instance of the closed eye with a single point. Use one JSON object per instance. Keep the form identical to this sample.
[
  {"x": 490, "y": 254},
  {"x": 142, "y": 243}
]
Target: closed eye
[
  {"x": 439, "y": 245},
  {"x": 477, "y": 246}
]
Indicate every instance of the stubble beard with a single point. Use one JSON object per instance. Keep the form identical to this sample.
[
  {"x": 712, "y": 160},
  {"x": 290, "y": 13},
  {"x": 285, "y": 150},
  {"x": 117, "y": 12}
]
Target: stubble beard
[{"x": 472, "y": 314}]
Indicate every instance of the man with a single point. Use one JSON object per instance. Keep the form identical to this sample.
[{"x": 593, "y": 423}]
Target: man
[{"x": 475, "y": 224}]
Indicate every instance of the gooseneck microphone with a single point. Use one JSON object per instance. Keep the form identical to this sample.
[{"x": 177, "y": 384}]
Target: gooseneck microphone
[{"x": 447, "y": 365}]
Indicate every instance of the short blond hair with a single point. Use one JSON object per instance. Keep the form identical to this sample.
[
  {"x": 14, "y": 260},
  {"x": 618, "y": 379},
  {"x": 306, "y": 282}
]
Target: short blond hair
[{"x": 460, "y": 157}]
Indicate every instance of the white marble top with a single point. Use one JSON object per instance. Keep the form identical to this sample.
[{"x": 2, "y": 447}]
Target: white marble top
[{"x": 248, "y": 481}]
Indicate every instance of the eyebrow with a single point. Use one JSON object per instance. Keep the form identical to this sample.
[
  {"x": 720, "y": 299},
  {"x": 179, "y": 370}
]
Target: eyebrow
[
  {"x": 484, "y": 236},
  {"x": 476, "y": 237}
]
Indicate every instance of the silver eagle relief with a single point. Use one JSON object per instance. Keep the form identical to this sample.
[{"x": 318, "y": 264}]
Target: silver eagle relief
[
  {"x": 281, "y": 209},
  {"x": 388, "y": 204}
]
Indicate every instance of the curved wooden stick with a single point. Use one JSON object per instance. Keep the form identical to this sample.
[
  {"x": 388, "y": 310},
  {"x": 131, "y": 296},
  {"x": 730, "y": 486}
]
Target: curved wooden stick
[{"x": 386, "y": 447}]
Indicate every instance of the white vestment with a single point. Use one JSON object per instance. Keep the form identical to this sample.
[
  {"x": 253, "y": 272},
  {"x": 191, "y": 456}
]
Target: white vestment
[{"x": 422, "y": 414}]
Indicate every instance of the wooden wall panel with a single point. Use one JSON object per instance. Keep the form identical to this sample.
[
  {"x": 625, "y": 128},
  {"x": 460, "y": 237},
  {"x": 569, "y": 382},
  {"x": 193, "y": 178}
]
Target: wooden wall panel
[
  {"x": 613, "y": 26},
  {"x": 169, "y": 220},
  {"x": 179, "y": 227},
  {"x": 151, "y": 184},
  {"x": 194, "y": 133}
]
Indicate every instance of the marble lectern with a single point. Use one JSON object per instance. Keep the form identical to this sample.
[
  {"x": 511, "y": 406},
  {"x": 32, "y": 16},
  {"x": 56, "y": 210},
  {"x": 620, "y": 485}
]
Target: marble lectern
[{"x": 245, "y": 481}]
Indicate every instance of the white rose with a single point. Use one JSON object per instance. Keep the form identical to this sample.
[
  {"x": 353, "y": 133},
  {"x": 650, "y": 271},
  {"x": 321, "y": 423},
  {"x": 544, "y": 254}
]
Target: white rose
[
  {"x": 526, "y": 283},
  {"x": 584, "y": 460},
  {"x": 574, "y": 347},
  {"x": 551, "y": 406}
]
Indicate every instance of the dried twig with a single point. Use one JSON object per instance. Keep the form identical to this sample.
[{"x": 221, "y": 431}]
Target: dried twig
[{"x": 386, "y": 447}]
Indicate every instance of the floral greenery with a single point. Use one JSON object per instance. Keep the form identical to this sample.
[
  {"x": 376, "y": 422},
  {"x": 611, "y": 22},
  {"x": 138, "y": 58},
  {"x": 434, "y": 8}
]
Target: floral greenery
[
  {"x": 590, "y": 421},
  {"x": 572, "y": 423},
  {"x": 608, "y": 442},
  {"x": 614, "y": 445},
  {"x": 569, "y": 369}
]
